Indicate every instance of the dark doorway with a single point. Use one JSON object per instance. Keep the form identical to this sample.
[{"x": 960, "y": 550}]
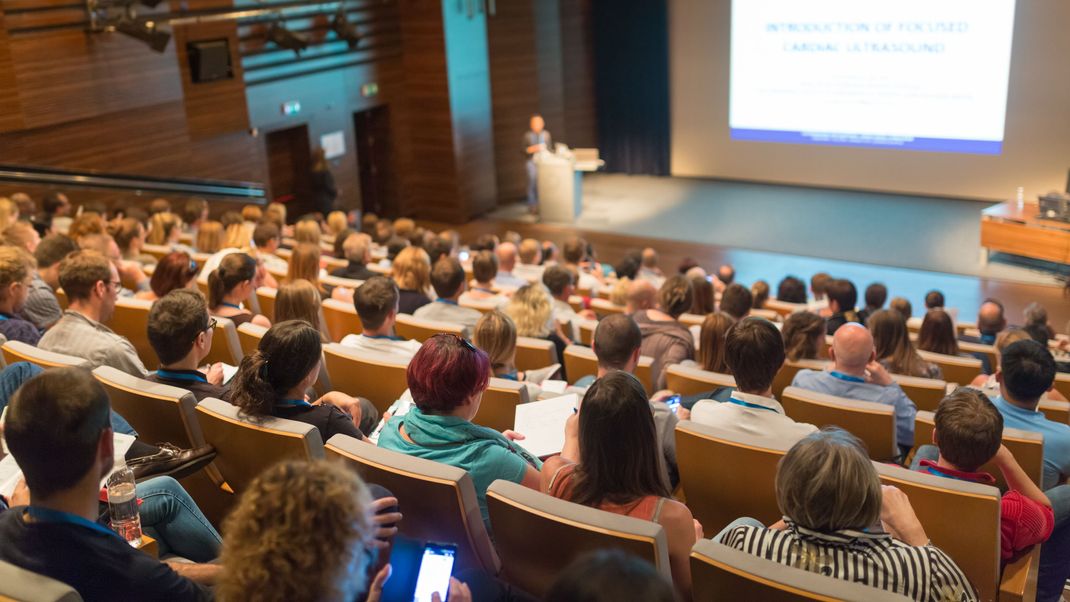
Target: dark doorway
[
  {"x": 372, "y": 131},
  {"x": 289, "y": 163}
]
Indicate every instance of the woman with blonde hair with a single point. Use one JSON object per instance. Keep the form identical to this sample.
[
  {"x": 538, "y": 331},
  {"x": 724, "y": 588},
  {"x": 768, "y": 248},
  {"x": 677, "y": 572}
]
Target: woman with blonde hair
[
  {"x": 299, "y": 300},
  {"x": 16, "y": 274},
  {"x": 9, "y": 212},
  {"x": 531, "y": 309},
  {"x": 710, "y": 354},
  {"x": 336, "y": 223},
  {"x": 165, "y": 229},
  {"x": 895, "y": 351},
  {"x": 495, "y": 334},
  {"x": 89, "y": 222},
  {"x": 210, "y": 238},
  {"x": 307, "y": 231},
  {"x": 229, "y": 285},
  {"x": 22, "y": 235},
  {"x": 305, "y": 265},
  {"x": 411, "y": 270},
  {"x": 238, "y": 236},
  {"x": 276, "y": 213},
  {"x": 804, "y": 336},
  {"x": 251, "y": 214}
]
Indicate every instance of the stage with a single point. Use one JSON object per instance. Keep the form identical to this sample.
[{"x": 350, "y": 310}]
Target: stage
[{"x": 912, "y": 244}]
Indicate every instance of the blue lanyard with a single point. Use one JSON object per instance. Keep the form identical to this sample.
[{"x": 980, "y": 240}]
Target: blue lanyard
[
  {"x": 385, "y": 337},
  {"x": 510, "y": 375},
  {"x": 292, "y": 403},
  {"x": 847, "y": 377},
  {"x": 754, "y": 406},
  {"x": 47, "y": 515},
  {"x": 447, "y": 301},
  {"x": 225, "y": 304},
  {"x": 187, "y": 376},
  {"x": 3, "y": 318}
]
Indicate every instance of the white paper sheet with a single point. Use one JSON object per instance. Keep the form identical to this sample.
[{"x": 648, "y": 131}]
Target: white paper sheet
[
  {"x": 543, "y": 424},
  {"x": 10, "y": 473}
]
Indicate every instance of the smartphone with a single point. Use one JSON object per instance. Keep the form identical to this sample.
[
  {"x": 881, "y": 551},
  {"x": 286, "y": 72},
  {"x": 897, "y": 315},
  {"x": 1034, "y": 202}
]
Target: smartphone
[
  {"x": 673, "y": 403},
  {"x": 463, "y": 255},
  {"x": 436, "y": 567}
]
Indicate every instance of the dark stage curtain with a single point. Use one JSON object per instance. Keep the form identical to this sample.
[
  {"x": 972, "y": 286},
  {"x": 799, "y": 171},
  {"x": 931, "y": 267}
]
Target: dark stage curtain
[{"x": 631, "y": 43}]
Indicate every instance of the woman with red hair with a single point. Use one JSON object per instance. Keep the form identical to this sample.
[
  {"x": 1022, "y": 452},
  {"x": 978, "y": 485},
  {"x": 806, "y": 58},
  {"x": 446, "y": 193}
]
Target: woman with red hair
[
  {"x": 176, "y": 270},
  {"x": 447, "y": 378}
]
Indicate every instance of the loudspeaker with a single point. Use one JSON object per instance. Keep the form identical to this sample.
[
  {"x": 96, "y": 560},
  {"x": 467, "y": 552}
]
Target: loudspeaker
[{"x": 209, "y": 60}]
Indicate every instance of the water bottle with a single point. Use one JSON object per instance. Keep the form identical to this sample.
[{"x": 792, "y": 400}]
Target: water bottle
[
  {"x": 122, "y": 503},
  {"x": 1020, "y": 197}
]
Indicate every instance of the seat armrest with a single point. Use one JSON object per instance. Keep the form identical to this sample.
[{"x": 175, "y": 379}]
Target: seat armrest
[{"x": 1019, "y": 581}]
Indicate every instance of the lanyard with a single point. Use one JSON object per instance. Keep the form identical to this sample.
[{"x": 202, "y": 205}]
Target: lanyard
[
  {"x": 447, "y": 301},
  {"x": 3, "y": 318},
  {"x": 746, "y": 404},
  {"x": 484, "y": 290},
  {"x": 47, "y": 515},
  {"x": 292, "y": 403},
  {"x": 187, "y": 376},
  {"x": 235, "y": 306},
  {"x": 847, "y": 377},
  {"x": 383, "y": 336}
]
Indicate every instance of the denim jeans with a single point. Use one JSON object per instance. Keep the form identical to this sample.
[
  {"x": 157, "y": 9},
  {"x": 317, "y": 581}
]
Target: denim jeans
[
  {"x": 533, "y": 184},
  {"x": 14, "y": 375},
  {"x": 171, "y": 517}
]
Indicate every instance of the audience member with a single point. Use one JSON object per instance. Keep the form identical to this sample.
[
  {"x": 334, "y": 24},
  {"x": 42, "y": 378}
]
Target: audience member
[
  {"x": 791, "y": 290},
  {"x": 549, "y": 253},
  {"x": 934, "y": 300},
  {"x": 180, "y": 332},
  {"x": 819, "y": 303},
  {"x": 57, "y": 209},
  {"x": 165, "y": 229},
  {"x": 194, "y": 213},
  {"x": 267, "y": 238},
  {"x": 484, "y": 269},
  {"x": 842, "y": 297},
  {"x": 130, "y": 273},
  {"x": 530, "y": 267},
  {"x": 648, "y": 268},
  {"x": 703, "y": 300},
  {"x": 710, "y": 354},
  {"x": 412, "y": 272},
  {"x": 130, "y": 235},
  {"x": 856, "y": 374},
  {"x": 175, "y": 271},
  {"x": 299, "y": 300},
  {"x": 92, "y": 287},
  {"x": 376, "y": 302},
  {"x": 628, "y": 266},
  {"x": 664, "y": 338},
  {"x": 447, "y": 278},
  {"x": 609, "y": 576},
  {"x": 22, "y": 235},
  {"x": 305, "y": 265},
  {"x": 159, "y": 205},
  {"x": 876, "y": 294},
  {"x": 88, "y": 222},
  {"x": 804, "y": 336},
  {"x": 834, "y": 507},
  {"x": 1036, "y": 323},
  {"x": 229, "y": 285},
  {"x": 894, "y": 349},
  {"x": 990, "y": 322},
  {"x": 754, "y": 352},
  {"x": 9, "y": 213},
  {"x": 736, "y": 301},
  {"x": 210, "y": 238},
  {"x": 611, "y": 461},
  {"x": 726, "y": 274},
  {"x": 447, "y": 378},
  {"x": 495, "y": 335},
  {"x": 507, "y": 257},
  {"x": 275, "y": 379},
  {"x": 641, "y": 295},
  {"x": 307, "y": 231},
  {"x": 357, "y": 252},
  {"x": 937, "y": 334},
  {"x": 560, "y": 281},
  {"x": 42, "y": 307},
  {"x": 968, "y": 434},
  {"x": 574, "y": 252},
  {"x": 16, "y": 277},
  {"x": 532, "y": 312},
  {"x": 902, "y": 306},
  {"x": 759, "y": 291}
]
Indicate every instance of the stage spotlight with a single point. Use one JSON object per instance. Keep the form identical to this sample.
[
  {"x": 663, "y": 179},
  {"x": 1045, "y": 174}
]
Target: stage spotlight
[
  {"x": 284, "y": 38},
  {"x": 345, "y": 30},
  {"x": 146, "y": 32}
]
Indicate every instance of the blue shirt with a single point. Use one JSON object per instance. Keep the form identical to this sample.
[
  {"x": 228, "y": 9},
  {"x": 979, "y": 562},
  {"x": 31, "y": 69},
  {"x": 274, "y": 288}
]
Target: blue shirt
[
  {"x": 1056, "y": 438},
  {"x": 854, "y": 388}
]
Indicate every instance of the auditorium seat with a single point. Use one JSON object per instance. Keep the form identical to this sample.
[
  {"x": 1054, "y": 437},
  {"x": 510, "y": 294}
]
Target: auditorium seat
[
  {"x": 61, "y": 298},
  {"x": 688, "y": 319},
  {"x": 408, "y": 327},
  {"x": 873, "y": 423},
  {"x": 581, "y": 361},
  {"x": 769, "y": 314},
  {"x": 17, "y": 351},
  {"x": 603, "y": 307},
  {"x": 245, "y": 448},
  {"x": 438, "y": 500},
  {"x": 380, "y": 379},
  {"x": 784, "y": 308},
  {"x": 955, "y": 368},
  {"x": 226, "y": 347},
  {"x": 719, "y": 572},
  {"x": 1058, "y": 411},
  {"x": 978, "y": 348},
  {"x": 787, "y": 373},
  {"x": 335, "y": 281},
  {"x": 586, "y": 330},
  {"x": 265, "y": 297},
  {"x": 943, "y": 507},
  {"x": 1027, "y": 448},
  {"x": 481, "y": 305},
  {"x": 131, "y": 320},
  {"x": 726, "y": 475},
  {"x": 341, "y": 319},
  {"x": 249, "y": 336},
  {"x": 576, "y": 303},
  {"x": 532, "y": 353},
  {"x": 157, "y": 251},
  {"x": 497, "y": 410},
  {"x": 1062, "y": 383},
  {"x": 538, "y": 535},
  {"x": 926, "y": 393},
  {"x": 19, "y": 584},
  {"x": 689, "y": 380}
]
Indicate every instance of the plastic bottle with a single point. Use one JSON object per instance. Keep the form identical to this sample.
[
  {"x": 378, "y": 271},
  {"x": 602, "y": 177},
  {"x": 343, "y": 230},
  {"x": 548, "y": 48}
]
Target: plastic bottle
[{"x": 122, "y": 503}]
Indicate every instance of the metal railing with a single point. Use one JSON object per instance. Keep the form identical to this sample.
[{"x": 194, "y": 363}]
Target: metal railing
[{"x": 246, "y": 192}]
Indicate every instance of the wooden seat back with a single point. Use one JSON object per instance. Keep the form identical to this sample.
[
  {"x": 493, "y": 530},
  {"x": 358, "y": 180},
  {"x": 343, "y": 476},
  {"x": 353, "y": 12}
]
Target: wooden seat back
[{"x": 873, "y": 423}]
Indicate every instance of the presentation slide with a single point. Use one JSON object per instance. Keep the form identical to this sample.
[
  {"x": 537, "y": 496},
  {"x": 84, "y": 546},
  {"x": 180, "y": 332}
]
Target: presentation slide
[{"x": 923, "y": 75}]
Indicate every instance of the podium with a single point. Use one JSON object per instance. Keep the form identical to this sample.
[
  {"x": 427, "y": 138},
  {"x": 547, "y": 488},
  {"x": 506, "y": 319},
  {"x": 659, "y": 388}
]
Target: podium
[{"x": 560, "y": 182}]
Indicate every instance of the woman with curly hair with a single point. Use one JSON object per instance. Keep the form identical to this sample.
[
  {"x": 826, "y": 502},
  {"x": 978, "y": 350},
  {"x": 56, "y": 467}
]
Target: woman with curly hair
[
  {"x": 664, "y": 338},
  {"x": 532, "y": 310},
  {"x": 307, "y": 531}
]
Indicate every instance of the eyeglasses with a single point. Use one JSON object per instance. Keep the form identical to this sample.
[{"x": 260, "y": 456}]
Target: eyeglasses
[
  {"x": 211, "y": 324},
  {"x": 116, "y": 284},
  {"x": 468, "y": 344}
]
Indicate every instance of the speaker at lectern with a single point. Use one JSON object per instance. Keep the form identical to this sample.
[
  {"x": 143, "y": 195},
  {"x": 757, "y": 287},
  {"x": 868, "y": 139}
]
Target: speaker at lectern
[{"x": 560, "y": 181}]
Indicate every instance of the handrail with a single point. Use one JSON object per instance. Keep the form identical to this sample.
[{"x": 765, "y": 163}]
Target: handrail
[{"x": 85, "y": 178}]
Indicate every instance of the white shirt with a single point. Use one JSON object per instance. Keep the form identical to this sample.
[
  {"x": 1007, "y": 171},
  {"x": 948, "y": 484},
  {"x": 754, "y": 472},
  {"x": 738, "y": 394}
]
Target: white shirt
[
  {"x": 399, "y": 349},
  {"x": 451, "y": 313},
  {"x": 529, "y": 272},
  {"x": 765, "y": 420},
  {"x": 509, "y": 280},
  {"x": 564, "y": 314}
]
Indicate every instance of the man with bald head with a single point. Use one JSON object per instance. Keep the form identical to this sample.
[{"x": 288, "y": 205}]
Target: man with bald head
[
  {"x": 990, "y": 321},
  {"x": 641, "y": 295},
  {"x": 856, "y": 374},
  {"x": 506, "y": 253},
  {"x": 648, "y": 268}
]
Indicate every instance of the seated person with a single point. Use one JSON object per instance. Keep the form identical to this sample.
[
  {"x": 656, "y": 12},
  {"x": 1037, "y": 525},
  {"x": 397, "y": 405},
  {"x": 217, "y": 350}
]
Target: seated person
[
  {"x": 560, "y": 281},
  {"x": 275, "y": 380},
  {"x": 267, "y": 238},
  {"x": 322, "y": 513},
  {"x": 447, "y": 278},
  {"x": 664, "y": 338},
  {"x": 704, "y": 301},
  {"x": 610, "y": 461},
  {"x": 532, "y": 312},
  {"x": 990, "y": 321},
  {"x": 876, "y": 294},
  {"x": 57, "y": 429},
  {"x": 411, "y": 270},
  {"x": 576, "y": 256},
  {"x": 92, "y": 286},
  {"x": 42, "y": 306},
  {"x": 842, "y": 297},
  {"x": 358, "y": 254},
  {"x": 937, "y": 334},
  {"x": 229, "y": 285},
  {"x": 640, "y": 295},
  {"x": 736, "y": 301},
  {"x": 710, "y": 354},
  {"x": 968, "y": 434},
  {"x": 175, "y": 271},
  {"x": 902, "y": 306},
  {"x": 791, "y": 290},
  {"x": 507, "y": 257},
  {"x": 804, "y": 336},
  {"x": 180, "y": 332},
  {"x": 130, "y": 272},
  {"x": 895, "y": 351},
  {"x": 447, "y": 378},
  {"x": 754, "y": 351},
  {"x": 299, "y": 300},
  {"x": 16, "y": 275},
  {"x": 305, "y": 265},
  {"x": 839, "y": 521},
  {"x": 989, "y": 384},
  {"x": 129, "y": 235},
  {"x": 856, "y": 374},
  {"x": 376, "y": 302},
  {"x": 609, "y": 576},
  {"x": 495, "y": 335},
  {"x": 484, "y": 268},
  {"x": 530, "y": 267}
]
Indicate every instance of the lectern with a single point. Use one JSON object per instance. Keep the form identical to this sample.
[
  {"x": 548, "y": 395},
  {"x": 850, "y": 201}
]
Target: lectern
[{"x": 560, "y": 181}]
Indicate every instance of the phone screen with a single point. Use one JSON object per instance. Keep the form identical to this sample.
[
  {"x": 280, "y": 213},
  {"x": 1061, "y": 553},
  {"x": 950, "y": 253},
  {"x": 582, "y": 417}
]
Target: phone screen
[
  {"x": 673, "y": 403},
  {"x": 436, "y": 566}
]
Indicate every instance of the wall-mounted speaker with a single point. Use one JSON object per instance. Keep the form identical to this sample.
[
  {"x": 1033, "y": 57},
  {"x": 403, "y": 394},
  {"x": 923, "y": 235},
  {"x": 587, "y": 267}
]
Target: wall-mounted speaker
[{"x": 209, "y": 60}]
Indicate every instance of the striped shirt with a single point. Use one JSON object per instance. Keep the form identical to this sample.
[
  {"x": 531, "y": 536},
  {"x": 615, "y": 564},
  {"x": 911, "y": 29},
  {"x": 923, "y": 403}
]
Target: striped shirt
[{"x": 922, "y": 573}]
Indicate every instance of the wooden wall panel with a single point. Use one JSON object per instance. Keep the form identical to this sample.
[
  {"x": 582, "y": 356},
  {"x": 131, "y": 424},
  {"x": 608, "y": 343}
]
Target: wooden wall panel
[
  {"x": 577, "y": 59},
  {"x": 217, "y": 107},
  {"x": 10, "y": 106},
  {"x": 515, "y": 85}
]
